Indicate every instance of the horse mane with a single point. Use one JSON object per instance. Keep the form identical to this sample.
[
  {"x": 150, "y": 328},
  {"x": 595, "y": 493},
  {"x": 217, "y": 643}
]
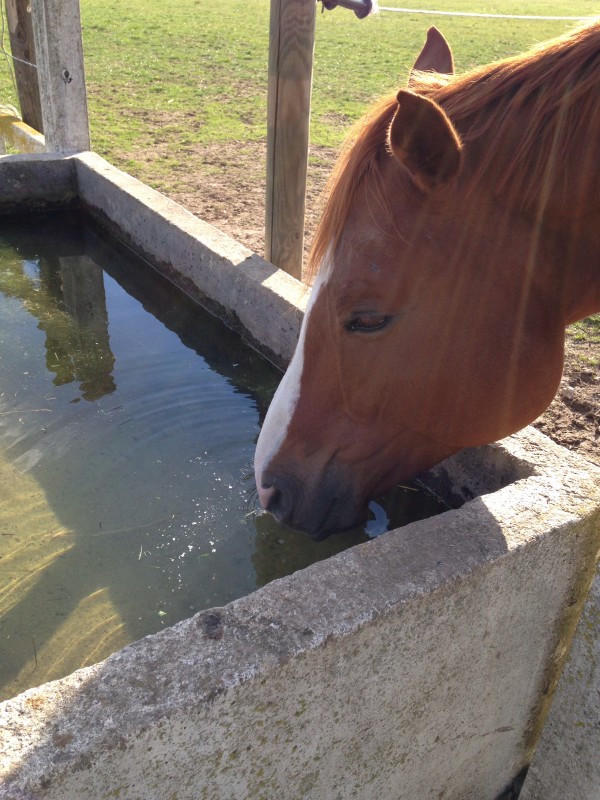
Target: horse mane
[
  {"x": 554, "y": 82},
  {"x": 358, "y": 159}
]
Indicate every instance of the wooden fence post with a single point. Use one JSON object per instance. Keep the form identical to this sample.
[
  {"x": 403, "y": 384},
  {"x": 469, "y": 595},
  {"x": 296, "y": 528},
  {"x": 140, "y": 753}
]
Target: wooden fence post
[
  {"x": 20, "y": 29},
  {"x": 59, "y": 51},
  {"x": 291, "y": 48}
]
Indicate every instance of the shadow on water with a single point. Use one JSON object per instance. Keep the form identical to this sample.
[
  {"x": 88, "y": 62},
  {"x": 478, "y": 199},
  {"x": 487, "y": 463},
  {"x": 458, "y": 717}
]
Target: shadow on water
[{"x": 123, "y": 507}]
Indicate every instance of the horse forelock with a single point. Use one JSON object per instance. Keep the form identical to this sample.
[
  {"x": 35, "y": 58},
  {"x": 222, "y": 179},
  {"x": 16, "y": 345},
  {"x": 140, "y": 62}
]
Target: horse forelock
[{"x": 557, "y": 83}]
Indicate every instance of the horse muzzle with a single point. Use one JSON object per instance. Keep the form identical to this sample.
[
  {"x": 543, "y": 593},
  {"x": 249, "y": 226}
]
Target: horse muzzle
[{"x": 317, "y": 508}]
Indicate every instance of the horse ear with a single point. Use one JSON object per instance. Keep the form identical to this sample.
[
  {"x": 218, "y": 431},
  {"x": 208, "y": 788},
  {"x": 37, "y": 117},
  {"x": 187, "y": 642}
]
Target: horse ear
[
  {"x": 423, "y": 139},
  {"x": 436, "y": 55}
]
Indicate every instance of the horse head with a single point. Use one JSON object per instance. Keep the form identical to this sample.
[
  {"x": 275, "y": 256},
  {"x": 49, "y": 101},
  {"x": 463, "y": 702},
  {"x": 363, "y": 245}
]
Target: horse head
[{"x": 408, "y": 350}]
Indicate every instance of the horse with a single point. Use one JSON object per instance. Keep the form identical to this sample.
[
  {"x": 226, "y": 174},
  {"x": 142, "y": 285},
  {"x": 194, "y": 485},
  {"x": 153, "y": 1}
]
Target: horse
[{"x": 460, "y": 236}]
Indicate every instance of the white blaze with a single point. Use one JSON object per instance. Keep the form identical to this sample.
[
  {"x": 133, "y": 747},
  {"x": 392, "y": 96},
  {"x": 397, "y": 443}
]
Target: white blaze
[{"x": 284, "y": 402}]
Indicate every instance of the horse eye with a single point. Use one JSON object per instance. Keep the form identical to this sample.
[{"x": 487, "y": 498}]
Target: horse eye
[{"x": 368, "y": 323}]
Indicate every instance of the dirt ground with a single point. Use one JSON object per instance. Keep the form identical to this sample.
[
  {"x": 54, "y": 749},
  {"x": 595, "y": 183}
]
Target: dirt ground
[{"x": 227, "y": 190}]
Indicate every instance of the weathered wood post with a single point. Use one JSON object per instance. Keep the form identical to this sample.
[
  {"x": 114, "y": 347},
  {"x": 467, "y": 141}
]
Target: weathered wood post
[
  {"x": 291, "y": 47},
  {"x": 20, "y": 29},
  {"x": 59, "y": 52}
]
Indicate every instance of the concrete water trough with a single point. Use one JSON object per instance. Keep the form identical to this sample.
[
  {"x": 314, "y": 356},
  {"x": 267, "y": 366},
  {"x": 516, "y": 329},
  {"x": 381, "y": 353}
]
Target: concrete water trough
[{"x": 419, "y": 665}]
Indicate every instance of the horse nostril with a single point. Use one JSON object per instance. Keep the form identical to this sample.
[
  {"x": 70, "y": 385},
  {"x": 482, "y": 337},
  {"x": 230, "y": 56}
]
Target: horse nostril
[
  {"x": 266, "y": 495},
  {"x": 276, "y": 495}
]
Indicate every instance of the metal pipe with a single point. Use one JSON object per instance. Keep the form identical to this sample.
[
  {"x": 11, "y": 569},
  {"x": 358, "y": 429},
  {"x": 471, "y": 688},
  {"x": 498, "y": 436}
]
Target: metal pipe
[{"x": 362, "y": 8}]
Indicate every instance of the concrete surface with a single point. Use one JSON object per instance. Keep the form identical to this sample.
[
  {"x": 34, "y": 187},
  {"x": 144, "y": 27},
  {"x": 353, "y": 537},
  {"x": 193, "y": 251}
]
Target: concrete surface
[
  {"x": 16, "y": 134},
  {"x": 36, "y": 180},
  {"x": 419, "y": 665},
  {"x": 566, "y": 763},
  {"x": 259, "y": 301}
]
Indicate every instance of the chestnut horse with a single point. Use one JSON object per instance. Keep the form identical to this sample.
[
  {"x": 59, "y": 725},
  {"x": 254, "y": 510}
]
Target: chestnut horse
[{"x": 460, "y": 236}]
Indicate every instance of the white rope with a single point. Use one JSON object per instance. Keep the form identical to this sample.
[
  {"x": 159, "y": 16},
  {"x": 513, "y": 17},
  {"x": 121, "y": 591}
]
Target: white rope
[{"x": 484, "y": 16}]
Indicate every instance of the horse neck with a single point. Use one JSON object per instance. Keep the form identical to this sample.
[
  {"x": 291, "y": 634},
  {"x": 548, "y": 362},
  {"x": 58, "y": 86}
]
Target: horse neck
[{"x": 562, "y": 206}]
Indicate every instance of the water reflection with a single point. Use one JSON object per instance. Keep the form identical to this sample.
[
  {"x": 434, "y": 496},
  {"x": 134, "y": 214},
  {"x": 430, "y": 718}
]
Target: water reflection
[
  {"x": 80, "y": 351},
  {"x": 66, "y": 295}
]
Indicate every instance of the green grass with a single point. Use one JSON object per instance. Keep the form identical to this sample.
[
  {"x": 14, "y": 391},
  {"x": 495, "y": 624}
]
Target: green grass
[
  {"x": 357, "y": 61},
  {"x": 588, "y": 329},
  {"x": 210, "y": 61},
  {"x": 197, "y": 70}
]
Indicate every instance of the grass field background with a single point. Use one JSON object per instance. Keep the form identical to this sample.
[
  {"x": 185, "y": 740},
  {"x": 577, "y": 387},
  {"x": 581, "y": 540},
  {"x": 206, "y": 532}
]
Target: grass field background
[{"x": 192, "y": 71}]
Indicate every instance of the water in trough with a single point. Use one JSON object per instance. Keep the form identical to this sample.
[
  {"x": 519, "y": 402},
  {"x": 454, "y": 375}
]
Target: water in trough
[{"x": 128, "y": 419}]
